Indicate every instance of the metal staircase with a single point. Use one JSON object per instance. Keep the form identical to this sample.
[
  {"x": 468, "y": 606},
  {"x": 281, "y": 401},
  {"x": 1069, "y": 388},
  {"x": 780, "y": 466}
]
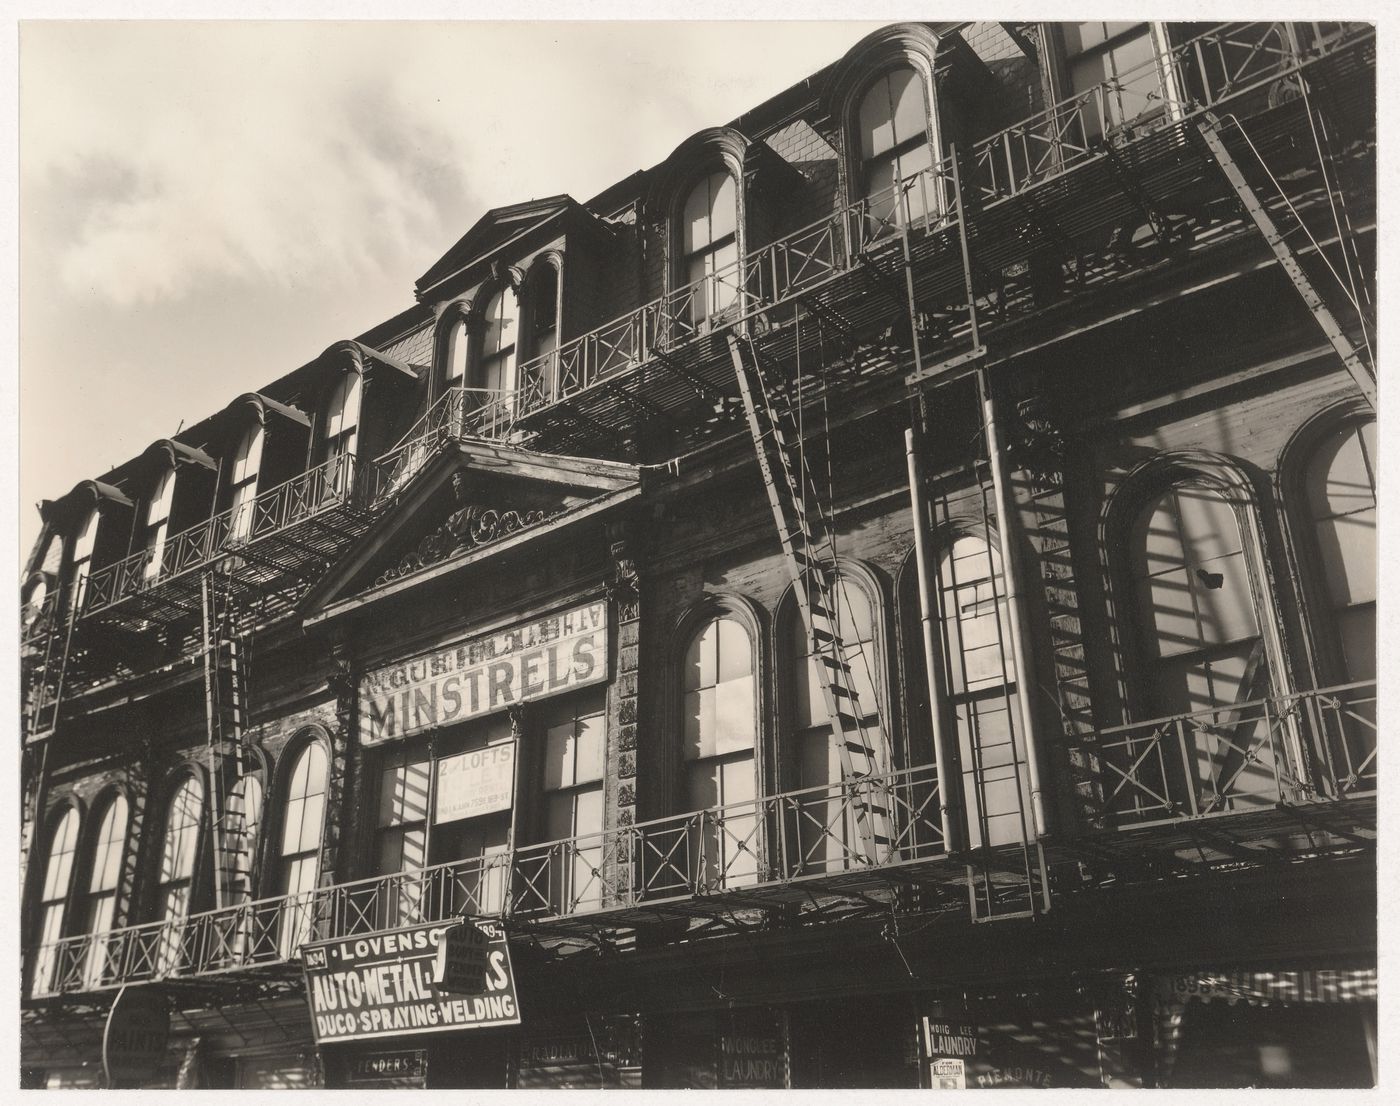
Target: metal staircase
[{"x": 806, "y": 533}]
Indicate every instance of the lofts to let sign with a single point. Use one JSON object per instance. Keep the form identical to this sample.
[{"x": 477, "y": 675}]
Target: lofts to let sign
[{"x": 482, "y": 675}]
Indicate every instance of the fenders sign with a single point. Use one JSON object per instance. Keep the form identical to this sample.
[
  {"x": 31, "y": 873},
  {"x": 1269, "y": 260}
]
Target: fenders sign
[{"x": 548, "y": 656}]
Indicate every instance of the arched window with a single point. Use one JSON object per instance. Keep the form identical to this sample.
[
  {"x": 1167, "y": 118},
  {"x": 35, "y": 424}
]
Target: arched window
[
  {"x": 84, "y": 542},
  {"x": 1201, "y": 649},
  {"x": 158, "y": 521},
  {"x": 53, "y": 898},
  {"x": 454, "y": 350},
  {"x": 983, "y": 694},
  {"x": 892, "y": 128},
  {"x": 343, "y": 417},
  {"x": 825, "y": 831},
  {"x": 543, "y": 326},
  {"x": 1340, "y": 487},
  {"x": 104, "y": 881},
  {"x": 249, "y": 806},
  {"x": 300, "y": 851},
  {"x": 497, "y": 369},
  {"x": 178, "y": 857},
  {"x": 243, "y": 482},
  {"x": 720, "y": 726},
  {"x": 709, "y": 267}
]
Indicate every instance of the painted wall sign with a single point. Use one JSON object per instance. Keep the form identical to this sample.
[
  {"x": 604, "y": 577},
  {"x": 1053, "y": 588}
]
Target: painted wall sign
[
  {"x": 137, "y": 1032},
  {"x": 400, "y": 1068},
  {"x": 753, "y": 1051},
  {"x": 548, "y": 656},
  {"x": 382, "y": 985},
  {"x": 481, "y": 781}
]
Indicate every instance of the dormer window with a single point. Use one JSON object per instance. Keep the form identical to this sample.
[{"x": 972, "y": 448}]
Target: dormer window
[
  {"x": 243, "y": 482},
  {"x": 497, "y": 369},
  {"x": 892, "y": 125},
  {"x": 83, "y": 545},
  {"x": 709, "y": 248},
  {"x": 158, "y": 521},
  {"x": 343, "y": 417}
]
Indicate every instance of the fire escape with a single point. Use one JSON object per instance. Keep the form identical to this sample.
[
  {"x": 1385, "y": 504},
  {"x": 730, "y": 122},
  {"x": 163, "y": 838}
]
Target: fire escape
[{"x": 1250, "y": 132}]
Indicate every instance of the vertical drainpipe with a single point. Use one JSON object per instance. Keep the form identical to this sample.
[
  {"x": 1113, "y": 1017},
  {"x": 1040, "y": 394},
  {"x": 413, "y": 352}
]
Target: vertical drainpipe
[
  {"x": 1006, "y": 520},
  {"x": 933, "y": 660}
]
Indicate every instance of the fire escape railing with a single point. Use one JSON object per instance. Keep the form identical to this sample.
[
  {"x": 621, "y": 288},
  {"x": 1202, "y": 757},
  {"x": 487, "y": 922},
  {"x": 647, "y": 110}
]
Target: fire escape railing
[
  {"x": 1216, "y": 67},
  {"x": 1219, "y": 66},
  {"x": 304, "y": 496},
  {"x": 1312, "y": 748}
]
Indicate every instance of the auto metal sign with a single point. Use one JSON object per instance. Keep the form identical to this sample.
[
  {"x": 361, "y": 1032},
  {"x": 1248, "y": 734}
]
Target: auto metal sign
[
  {"x": 384, "y": 985},
  {"x": 548, "y": 656}
]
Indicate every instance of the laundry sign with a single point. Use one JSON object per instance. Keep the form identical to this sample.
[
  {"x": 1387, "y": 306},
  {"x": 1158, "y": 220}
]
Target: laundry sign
[{"x": 548, "y": 656}]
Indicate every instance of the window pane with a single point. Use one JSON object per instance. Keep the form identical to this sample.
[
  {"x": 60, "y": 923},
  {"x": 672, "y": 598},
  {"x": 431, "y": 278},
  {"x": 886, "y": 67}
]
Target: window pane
[
  {"x": 735, "y": 650},
  {"x": 1224, "y": 602},
  {"x": 589, "y": 765},
  {"x": 559, "y": 756},
  {"x": 701, "y": 657},
  {"x": 558, "y": 817},
  {"x": 60, "y": 867},
  {"x": 1357, "y": 627},
  {"x": 698, "y": 723},
  {"x": 1348, "y": 547},
  {"x": 1208, "y": 525},
  {"x": 907, "y": 97},
  {"x": 695, "y": 219},
  {"x": 111, "y": 837},
  {"x": 182, "y": 832},
  {"x": 159, "y": 509},
  {"x": 734, "y": 715},
  {"x": 723, "y": 208},
  {"x": 588, "y": 817},
  {"x": 876, "y": 120},
  {"x": 702, "y": 785},
  {"x": 403, "y": 795},
  {"x": 248, "y": 459}
]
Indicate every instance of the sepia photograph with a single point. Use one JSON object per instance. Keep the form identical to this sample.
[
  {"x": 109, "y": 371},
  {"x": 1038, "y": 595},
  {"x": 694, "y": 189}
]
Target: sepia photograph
[{"x": 720, "y": 555}]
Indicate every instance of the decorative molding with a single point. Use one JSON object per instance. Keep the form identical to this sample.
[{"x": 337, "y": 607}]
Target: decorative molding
[{"x": 467, "y": 528}]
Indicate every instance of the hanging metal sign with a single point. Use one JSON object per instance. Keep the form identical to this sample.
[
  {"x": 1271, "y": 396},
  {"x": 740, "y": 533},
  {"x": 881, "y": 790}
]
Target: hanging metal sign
[
  {"x": 385, "y": 985},
  {"x": 536, "y": 660},
  {"x": 460, "y": 966},
  {"x": 136, "y": 1036}
]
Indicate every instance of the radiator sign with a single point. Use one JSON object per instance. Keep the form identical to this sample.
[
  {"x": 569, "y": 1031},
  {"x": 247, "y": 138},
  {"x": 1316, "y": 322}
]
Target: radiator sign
[
  {"x": 548, "y": 656},
  {"x": 385, "y": 985}
]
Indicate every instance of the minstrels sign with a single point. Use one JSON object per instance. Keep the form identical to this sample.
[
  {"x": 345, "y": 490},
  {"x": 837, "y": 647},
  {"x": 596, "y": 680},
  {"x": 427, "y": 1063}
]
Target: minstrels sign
[
  {"x": 382, "y": 985},
  {"x": 542, "y": 658}
]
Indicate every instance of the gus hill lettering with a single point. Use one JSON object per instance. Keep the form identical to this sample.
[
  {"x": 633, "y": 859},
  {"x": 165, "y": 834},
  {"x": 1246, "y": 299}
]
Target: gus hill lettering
[{"x": 534, "y": 661}]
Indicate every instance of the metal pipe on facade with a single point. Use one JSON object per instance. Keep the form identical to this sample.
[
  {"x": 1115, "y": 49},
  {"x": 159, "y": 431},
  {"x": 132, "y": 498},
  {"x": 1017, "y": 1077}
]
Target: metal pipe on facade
[
  {"x": 1014, "y": 607},
  {"x": 933, "y": 657}
]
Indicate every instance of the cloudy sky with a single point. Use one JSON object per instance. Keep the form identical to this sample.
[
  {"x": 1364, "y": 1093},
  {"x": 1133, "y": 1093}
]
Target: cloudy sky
[{"x": 204, "y": 207}]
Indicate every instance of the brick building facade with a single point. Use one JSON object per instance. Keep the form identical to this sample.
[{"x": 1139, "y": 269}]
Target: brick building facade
[{"x": 885, "y": 597}]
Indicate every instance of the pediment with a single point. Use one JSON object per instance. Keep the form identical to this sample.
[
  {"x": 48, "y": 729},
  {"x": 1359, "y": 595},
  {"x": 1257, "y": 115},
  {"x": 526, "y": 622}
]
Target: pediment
[
  {"x": 496, "y": 227},
  {"x": 471, "y": 499}
]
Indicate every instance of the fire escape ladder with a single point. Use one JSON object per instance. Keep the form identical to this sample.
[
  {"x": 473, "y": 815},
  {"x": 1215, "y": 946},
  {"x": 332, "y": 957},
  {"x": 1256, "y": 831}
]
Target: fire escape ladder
[
  {"x": 47, "y": 693},
  {"x": 806, "y": 537},
  {"x": 1362, "y": 374},
  {"x": 225, "y": 714}
]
